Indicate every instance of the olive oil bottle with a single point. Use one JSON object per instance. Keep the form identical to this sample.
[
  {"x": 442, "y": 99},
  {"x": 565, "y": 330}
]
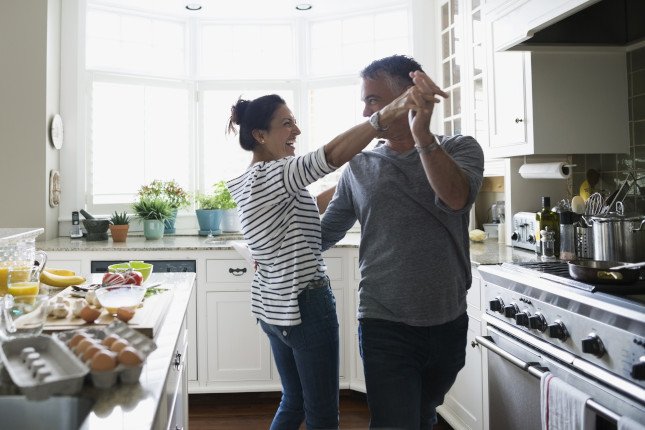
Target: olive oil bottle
[{"x": 546, "y": 217}]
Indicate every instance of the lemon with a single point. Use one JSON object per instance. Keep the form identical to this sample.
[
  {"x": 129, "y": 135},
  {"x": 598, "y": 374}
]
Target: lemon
[{"x": 24, "y": 288}]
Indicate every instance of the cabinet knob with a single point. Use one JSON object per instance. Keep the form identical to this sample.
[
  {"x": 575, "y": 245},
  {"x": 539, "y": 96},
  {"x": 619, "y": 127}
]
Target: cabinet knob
[
  {"x": 237, "y": 272},
  {"x": 473, "y": 344},
  {"x": 518, "y": 120}
]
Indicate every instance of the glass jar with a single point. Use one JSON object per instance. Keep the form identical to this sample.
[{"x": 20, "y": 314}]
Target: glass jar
[{"x": 547, "y": 239}]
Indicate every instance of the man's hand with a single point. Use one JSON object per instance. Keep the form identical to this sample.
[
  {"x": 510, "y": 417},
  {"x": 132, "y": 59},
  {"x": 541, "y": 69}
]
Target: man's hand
[{"x": 425, "y": 95}]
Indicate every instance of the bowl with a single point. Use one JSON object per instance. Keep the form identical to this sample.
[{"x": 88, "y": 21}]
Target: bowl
[
  {"x": 96, "y": 228},
  {"x": 120, "y": 296},
  {"x": 144, "y": 268}
]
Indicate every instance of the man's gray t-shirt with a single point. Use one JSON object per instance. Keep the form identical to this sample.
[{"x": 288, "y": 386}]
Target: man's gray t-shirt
[{"x": 414, "y": 253}]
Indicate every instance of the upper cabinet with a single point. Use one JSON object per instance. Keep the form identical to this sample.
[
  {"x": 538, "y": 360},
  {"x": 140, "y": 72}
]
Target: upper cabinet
[{"x": 554, "y": 100}]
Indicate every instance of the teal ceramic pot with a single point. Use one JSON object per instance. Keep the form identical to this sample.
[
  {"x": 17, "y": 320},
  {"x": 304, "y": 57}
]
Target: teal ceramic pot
[
  {"x": 209, "y": 219},
  {"x": 153, "y": 229},
  {"x": 169, "y": 224}
]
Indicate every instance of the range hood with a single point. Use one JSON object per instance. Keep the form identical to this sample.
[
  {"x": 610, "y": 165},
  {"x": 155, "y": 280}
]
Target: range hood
[{"x": 603, "y": 23}]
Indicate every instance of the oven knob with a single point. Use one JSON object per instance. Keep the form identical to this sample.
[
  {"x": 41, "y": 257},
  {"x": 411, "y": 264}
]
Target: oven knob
[
  {"x": 638, "y": 369},
  {"x": 496, "y": 305},
  {"x": 522, "y": 318},
  {"x": 593, "y": 345},
  {"x": 557, "y": 330},
  {"x": 537, "y": 322},
  {"x": 511, "y": 310}
]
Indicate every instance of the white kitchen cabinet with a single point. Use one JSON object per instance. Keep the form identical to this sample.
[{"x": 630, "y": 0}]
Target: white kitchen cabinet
[
  {"x": 463, "y": 406},
  {"x": 555, "y": 101},
  {"x": 238, "y": 351}
]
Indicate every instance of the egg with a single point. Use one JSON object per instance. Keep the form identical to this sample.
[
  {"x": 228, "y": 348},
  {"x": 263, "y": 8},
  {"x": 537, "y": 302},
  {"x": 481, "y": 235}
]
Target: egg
[
  {"x": 91, "y": 350},
  {"x": 103, "y": 361},
  {"x": 118, "y": 345},
  {"x": 89, "y": 314},
  {"x": 83, "y": 345},
  {"x": 76, "y": 339},
  {"x": 130, "y": 357},
  {"x": 125, "y": 314},
  {"x": 110, "y": 339}
]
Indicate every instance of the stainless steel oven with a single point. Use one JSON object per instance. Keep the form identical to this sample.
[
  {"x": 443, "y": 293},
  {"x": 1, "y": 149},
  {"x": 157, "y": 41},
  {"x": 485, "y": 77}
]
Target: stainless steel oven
[{"x": 591, "y": 339}]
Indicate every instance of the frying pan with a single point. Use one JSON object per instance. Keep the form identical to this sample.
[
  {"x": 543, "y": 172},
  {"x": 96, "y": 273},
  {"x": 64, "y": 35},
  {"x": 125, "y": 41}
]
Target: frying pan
[{"x": 600, "y": 272}]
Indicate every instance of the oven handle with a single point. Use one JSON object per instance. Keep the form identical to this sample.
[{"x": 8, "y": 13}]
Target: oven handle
[{"x": 537, "y": 371}]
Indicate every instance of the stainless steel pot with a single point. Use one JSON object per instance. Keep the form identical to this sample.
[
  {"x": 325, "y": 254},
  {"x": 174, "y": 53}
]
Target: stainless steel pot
[{"x": 618, "y": 238}]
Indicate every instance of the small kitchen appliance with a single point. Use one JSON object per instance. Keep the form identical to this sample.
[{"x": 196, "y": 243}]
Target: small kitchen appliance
[{"x": 524, "y": 226}]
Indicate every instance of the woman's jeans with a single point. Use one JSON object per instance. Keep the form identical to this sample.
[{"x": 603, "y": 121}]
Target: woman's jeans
[
  {"x": 306, "y": 356},
  {"x": 408, "y": 370}
]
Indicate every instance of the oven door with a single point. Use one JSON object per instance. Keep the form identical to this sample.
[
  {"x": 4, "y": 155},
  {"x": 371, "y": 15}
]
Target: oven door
[{"x": 514, "y": 371}]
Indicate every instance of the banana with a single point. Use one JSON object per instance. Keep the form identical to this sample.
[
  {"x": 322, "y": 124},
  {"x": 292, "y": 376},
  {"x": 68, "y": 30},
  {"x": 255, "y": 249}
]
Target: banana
[
  {"x": 62, "y": 272},
  {"x": 60, "y": 281}
]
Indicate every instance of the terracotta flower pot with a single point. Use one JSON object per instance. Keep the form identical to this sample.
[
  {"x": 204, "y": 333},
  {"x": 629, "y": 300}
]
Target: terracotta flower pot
[{"x": 119, "y": 232}]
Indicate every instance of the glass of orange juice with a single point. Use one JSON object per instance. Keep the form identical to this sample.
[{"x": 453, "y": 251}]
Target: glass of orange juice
[{"x": 23, "y": 280}]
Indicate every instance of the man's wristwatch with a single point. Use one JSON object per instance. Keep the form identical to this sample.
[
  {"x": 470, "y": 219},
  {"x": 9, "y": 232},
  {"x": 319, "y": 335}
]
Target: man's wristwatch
[
  {"x": 375, "y": 122},
  {"x": 428, "y": 148}
]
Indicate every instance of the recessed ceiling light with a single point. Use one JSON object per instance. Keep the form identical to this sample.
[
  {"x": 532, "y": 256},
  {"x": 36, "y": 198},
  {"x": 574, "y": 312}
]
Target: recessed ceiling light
[
  {"x": 194, "y": 6},
  {"x": 303, "y": 6}
]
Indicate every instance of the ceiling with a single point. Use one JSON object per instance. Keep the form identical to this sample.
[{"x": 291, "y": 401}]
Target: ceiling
[{"x": 251, "y": 9}]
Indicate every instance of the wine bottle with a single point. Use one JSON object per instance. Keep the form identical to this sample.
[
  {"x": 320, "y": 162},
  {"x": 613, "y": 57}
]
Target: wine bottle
[{"x": 546, "y": 217}]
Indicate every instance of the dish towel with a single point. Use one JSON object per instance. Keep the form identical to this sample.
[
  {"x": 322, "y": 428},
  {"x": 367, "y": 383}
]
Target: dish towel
[
  {"x": 626, "y": 423},
  {"x": 562, "y": 406}
]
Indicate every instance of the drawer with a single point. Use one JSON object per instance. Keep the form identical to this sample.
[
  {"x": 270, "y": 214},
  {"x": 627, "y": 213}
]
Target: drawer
[{"x": 229, "y": 271}]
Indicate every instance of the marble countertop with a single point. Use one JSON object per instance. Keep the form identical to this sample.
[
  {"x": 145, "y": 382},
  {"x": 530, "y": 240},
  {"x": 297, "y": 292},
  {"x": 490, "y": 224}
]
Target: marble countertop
[
  {"x": 125, "y": 407},
  {"x": 487, "y": 252}
]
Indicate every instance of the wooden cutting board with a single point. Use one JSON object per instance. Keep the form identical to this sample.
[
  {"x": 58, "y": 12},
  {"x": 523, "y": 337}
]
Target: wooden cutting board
[{"x": 147, "y": 318}]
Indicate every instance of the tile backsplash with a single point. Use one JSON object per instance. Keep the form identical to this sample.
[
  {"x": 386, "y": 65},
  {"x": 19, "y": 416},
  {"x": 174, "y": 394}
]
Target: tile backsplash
[{"x": 613, "y": 168}]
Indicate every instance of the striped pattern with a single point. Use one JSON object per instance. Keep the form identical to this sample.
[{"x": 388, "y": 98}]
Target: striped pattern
[{"x": 280, "y": 222}]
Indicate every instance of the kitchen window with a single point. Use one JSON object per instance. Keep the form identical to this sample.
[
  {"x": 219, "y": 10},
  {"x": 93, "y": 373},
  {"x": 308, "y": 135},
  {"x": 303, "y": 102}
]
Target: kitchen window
[{"x": 159, "y": 91}]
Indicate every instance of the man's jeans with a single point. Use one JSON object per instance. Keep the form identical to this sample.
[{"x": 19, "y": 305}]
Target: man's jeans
[
  {"x": 408, "y": 370},
  {"x": 306, "y": 356}
]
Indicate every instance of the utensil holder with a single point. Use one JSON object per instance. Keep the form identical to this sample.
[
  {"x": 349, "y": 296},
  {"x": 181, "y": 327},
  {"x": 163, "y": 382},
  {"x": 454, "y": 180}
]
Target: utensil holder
[{"x": 584, "y": 242}]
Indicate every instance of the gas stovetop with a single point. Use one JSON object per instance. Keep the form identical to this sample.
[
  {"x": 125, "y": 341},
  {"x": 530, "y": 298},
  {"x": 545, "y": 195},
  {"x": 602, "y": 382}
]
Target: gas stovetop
[{"x": 558, "y": 271}]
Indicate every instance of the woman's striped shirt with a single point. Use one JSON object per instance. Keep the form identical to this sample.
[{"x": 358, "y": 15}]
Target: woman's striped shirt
[{"x": 280, "y": 222}]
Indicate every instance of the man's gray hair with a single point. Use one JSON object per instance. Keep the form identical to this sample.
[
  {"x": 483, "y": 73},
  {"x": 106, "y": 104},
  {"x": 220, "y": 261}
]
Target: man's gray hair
[{"x": 395, "y": 69}]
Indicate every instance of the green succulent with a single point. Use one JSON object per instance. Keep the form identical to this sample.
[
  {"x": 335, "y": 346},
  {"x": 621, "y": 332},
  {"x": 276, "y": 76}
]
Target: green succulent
[
  {"x": 150, "y": 208},
  {"x": 120, "y": 218}
]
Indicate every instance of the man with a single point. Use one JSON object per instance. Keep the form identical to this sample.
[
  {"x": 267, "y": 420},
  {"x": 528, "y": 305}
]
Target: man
[{"x": 411, "y": 195}]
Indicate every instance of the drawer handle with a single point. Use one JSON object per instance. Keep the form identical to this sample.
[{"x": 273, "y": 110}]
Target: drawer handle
[
  {"x": 237, "y": 272},
  {"x": 177, "y": 362}
]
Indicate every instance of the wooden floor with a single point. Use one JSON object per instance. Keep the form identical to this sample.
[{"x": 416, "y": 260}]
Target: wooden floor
[{"x": 251, "y": 411}]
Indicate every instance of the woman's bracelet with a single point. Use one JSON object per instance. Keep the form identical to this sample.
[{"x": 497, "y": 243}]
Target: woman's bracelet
[{"x": 428, "y": 148}]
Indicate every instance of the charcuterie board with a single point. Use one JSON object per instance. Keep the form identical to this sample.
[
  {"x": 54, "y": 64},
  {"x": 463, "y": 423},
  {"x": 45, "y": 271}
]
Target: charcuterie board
[{"x": 147, "y": 318}]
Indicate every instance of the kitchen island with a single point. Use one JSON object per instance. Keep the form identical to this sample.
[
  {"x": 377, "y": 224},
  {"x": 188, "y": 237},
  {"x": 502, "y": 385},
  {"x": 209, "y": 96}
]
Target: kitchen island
[{"x": 160, "y": 399}]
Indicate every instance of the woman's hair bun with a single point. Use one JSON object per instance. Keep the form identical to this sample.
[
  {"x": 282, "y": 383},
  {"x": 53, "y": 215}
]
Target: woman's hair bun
[{"x": 238, "y": 110}]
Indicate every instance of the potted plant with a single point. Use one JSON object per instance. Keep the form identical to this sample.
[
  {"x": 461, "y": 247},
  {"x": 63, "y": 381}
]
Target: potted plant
[
  {"x": 230, "y": 222},
  {"x": 170, "y": 192},
  {"x": 153, "y": 212},
  {"x": 209, "y": 214},
  {"x": 119, "y": 226}
]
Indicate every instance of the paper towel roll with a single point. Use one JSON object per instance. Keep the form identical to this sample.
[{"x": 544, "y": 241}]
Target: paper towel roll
[{"x": 545, "y": 171}]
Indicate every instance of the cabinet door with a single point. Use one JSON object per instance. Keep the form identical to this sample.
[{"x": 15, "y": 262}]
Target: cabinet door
[
  {"x": 463, "y": 405},
  {"x": 507, "y": 101},
  {"x": 237, "y": 348}
]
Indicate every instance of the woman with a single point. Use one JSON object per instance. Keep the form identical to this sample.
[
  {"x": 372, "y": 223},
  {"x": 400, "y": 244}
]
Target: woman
[{"x": 291, "y": 295}]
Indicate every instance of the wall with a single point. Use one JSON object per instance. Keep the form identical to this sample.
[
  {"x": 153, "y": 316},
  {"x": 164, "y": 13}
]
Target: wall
[
  {"x": 29, "y": 93},
  {"x": 614, "y": 167}
]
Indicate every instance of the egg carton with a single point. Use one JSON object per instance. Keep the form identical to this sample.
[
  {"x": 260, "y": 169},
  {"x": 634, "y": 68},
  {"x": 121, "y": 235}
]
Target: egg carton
[
  {"x": 42, "y": 366},
  {"x": 122, "y": 373}
]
